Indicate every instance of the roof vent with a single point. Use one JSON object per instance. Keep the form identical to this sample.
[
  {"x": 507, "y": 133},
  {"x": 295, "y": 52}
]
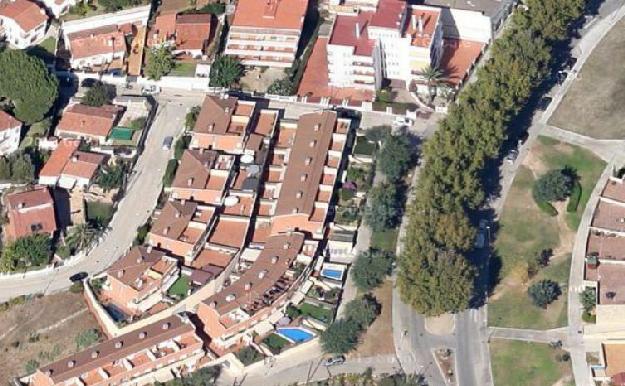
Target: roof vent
[
  {"x": 248, "y": 286},
  {"x": 303, "y": 177},
  {"x": 166, "y": 231},
  {"x": 212, "y": 304},
  {"x": 190, "y": 181},
  {"x": 227, "y": 110},
  {"x": 119, "y": 344},
  {"x": 166, "y": 326},
  {"x": 317, "y": 126},
  {"x": 49, "y": 372},
  {"x": 120, "y": 273},
  {"x": 95, "y": 354},
  {"x": 286, "y": 246},
  {"x": 308, "y": 161},
  {"x": 149, "y": 249},
  {"x": 274, "y": 259},
  {"x": 230, "y": 298},
  {"x": 71, "y": 364},
  {"x": 262, "y": 274},
  {"x": 142, "y": 335},
  {"x": 313, "y": 143},
  {"x": 299, "y": 194}
]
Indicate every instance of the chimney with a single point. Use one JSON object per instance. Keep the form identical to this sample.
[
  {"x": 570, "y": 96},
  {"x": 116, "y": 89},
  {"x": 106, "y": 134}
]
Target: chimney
[
  {"x": 357, "y": 30},
  {"x": 413, "y": 22},
  {"x": 420, "y": 24},
  {"x": 149, "y": 249}
]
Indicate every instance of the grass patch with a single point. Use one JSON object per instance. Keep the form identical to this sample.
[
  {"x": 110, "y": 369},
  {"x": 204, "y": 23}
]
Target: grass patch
[
  {"x": 275, "y": 343},
  {"x": 100, "y": 212},
  {"x": 518, "y": 363},
  {"x": 576, "y": 195},
  {"x": 515, "y": 309},
  {"x": 364, "y": 147},
  {"x": 316, "y": 312},
  {"x": 248, "y": 355},
  {"x": 183, "y": 69},
  {"x": 180, "y": 288},
  {"x": 386, "y": 240}
]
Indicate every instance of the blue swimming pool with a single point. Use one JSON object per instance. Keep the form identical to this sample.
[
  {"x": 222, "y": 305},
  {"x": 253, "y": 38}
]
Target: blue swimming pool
[
  {"x": 296, "y": 334},
  {"x": 332, "y": 273}
]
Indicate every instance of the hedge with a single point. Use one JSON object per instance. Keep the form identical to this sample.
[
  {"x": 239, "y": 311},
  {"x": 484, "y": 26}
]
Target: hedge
[
  {"x": 576, "y": 194},
  {"x": 547, "y": 208}
]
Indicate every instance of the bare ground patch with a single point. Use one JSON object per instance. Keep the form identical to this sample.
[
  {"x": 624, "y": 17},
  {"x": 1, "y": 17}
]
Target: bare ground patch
[{"x": 378, "y": 339}]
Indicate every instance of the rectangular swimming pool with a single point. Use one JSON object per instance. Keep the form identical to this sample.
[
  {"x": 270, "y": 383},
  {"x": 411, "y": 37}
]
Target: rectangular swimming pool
[
  {"x": 332, "y": 273},
  {"x": 296, "y": 334}
]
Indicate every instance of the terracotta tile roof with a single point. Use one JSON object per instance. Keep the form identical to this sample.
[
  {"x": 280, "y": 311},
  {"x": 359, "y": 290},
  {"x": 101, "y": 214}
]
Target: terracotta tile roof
[
  {"x": 110, "y": 351},
  {"x": 30, "y": 211},
  {"x": 610, "y": 277},
  {"x": 606, "y": 246},
  {"x": 216, "y": 116},
  {"x": 214, "y": 257},
  {"x": 278, "y": 14},
  {"x": 609, "y": 216},
  {"x": 614, "y": 189},
  {"x": 7, "y": 121},
  {"x": 59, "y": 157},
  {"x": 230, "y": 231},
  {"x": 174, "y": 219},
  {"x": 88, "y": 120},
  {"x": 614, "y": 358},
  {"x": 427, "y": 19},
  {"x": 163, "y": 29},
  {"x": 97, "y": 41},
  {"x": 306, "y": 163},
  {"x": 276, "y": 258},
  {"x": 458, "y": 57},
  {"x": 134, "y": 265},
  {"x": 27, "y": 14},
  {"x": 195, "y": 166},
  {"x": 83, "y": 164},
  {"x": 351, "y": 31},
  {"x": 192, "y": 31},
  {"x": 389, "y": 14}
]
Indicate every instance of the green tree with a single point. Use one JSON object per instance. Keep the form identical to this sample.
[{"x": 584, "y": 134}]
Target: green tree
[
  {"x": 340, "y": 337},
  {"x": 395, "y": 157},
  {"x": 191, "y": 117},
  {"x": 31, "y": 366},
  {"x": 181, "y": 145},
  {"x": 544, "y": 292},
  {"x": 87, "y": 338},
  {"x": 26, "y": 82},
  {"x": 555, "y": 185},
  {"x": 588, "y": 298},
  {"x": 371, "y": 268},
  {"x": 377, "y": 134},
  {"x": 111, "y": 176},
  {"x": 214, "y": 8},
  {"x": 282, "y": 86},
  {"x": 383, "y": 211},
  {"x": 22, "y": 168},
  {"x": 34, "y": 250},
  {"x": 225, "y": 71},
  {"x": 432, "y": 77},
  {"x": 5, "y": 169},
  {"x": 160, "y": 62},
  {"x": 81, "y": 236},
  {"x": 362, "y": 311},
  {"x": 248, "y": 355},
  {"x": 98, "y": 95},
  {"x": 438, "y": 284}
]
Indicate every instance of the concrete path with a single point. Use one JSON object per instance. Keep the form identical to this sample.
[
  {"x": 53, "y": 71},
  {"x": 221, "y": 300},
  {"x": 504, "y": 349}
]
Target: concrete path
[{"x": 539, "y": 336}]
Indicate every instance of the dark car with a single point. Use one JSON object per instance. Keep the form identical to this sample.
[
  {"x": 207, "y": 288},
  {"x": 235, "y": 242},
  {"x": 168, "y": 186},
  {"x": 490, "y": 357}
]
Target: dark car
[
  {"x": 544, "y": 103},
  {"x": 80, "y": 276}
]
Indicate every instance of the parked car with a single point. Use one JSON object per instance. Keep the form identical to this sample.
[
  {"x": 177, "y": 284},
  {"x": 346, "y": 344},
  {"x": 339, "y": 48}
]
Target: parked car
[
  {"x": 544, "y": 103},
  {"x": 167, "y": 142},
  {"x": 402, "y": 121},
  {"x": 512, "y": 156},
  {"x": 80, "y": 276},
  {"x": 333, "y": 361},
  {"x": 150, "y": 90},
  {"x": 482, "y": 233}
]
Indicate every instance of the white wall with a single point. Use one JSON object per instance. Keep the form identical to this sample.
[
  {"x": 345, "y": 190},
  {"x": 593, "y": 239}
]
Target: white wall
[
  {"x": 19, "y": 38},
  {"x": 133, "y": 16},
  {"x": 469, "y": 25},
  {"x": 9, "y": 140}
]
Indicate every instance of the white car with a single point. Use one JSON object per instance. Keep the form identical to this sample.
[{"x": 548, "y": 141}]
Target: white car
[{"x": 150, "y": 90}]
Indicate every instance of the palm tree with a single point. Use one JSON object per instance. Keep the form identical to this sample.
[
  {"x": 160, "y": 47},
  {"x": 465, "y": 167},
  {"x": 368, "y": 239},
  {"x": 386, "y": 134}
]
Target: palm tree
[
  {"x": 225, "y": 71},
  {"x": 82, "y": 236},
  {"x": 432, "y": 76}
]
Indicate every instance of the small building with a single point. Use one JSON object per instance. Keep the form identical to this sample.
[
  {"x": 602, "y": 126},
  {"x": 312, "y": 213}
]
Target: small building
[
  {"x": 23, "y": 23},
  {"x": 70, "y": 167},
  {"x": 92, "y": 124},
  {"x": 10, "y": 129},
  {"x": 97, "y": 47},
  {"x": 138, "y": 280},
  {"x": 30, "y": 212},
  {"x": 167, "y": 346}
]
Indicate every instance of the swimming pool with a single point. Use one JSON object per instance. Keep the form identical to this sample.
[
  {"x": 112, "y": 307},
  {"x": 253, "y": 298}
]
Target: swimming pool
[
  {"x": 332, "y": 273},
  {"x": 296, "y": 334}
]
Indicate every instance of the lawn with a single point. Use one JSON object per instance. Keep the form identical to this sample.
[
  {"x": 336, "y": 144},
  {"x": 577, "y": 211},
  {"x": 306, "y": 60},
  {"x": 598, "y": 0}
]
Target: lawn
[
  {"x": 180, "y": 288},
  {"x": 316, "y": 312},
  {"x": 363, "y": 146},
  {"x": 275, "y": 343},
  {"x": 504, "y": 311},
  {"x": 44, "y": 50},
  {"x": 593, "y": 104},
  {"x": 99, "y": 212},
  {"x": 517, "y": 363},
  {"x": 183, "y": 69},
  {"x": 385, "y": 241}
]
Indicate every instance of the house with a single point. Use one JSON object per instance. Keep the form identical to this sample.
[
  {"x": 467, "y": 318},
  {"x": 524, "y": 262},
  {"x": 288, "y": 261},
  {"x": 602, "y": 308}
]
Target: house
[
  {"x": 305, "y": 180},
  {"x": 59, "y": 7},
  {"x": 168, "y": 346},
  {"x": 187, "y": 34},
  {"x": 181, "y": 227},
  {"x": 395, "y": 42},
  {"x": 70, "y": 167},
  {"x": 138, "y": 280},
  {"x": 10, "y": 130},
  {"x": 261, "y": 290},
  {"x": 223, "y": 124},
  {"x": 203, "y": 176},
  {"x": 611, "y": 369},
  {"x": 23, "y": 23},
  {"x": 95, "y": 47},
  {"x": 92, "y": 124},
  {"x": 29, "y": 212},
  {"x": 266, "y": 33}
]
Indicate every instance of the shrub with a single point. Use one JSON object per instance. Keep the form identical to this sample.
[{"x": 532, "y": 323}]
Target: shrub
[
  {"x": 347, "y": 194},
  {"x": 555, "y": 185},
  {"x": 98, "y": 95},
  {"x": 547, "y": 208},
  {"x": 383, "y": 211},
  {"x": 29, "y": 251},
  {"x": 371, "y": 268},
  {"x": 87, "y": 338},
  {"x": 76, "y": 287},
  {"x": 544, "y": 292},
  {"x": 248, "y": 355},
  {"x": 282, "y": 87},
  {"x": 170, "y": 172},
  {"x": 31, "y": 366},
  {"x": 191, "y": 117},
  {"x": 588, "y": 298},
  {"x": 395, "y": 157},
  {"x": 340, "y": 337},
  {"x": 362, "y": 311},
  {"x": 181, "y": 145},
  {"x": 576, "y": 194}
]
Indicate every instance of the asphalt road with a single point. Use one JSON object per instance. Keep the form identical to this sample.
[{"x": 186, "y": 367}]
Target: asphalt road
[{"x": 134, "y": 209}]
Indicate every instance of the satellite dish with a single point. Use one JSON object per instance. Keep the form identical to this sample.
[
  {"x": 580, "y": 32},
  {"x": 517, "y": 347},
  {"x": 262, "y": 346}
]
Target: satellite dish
[
  {"x": 231, "y": 201},
  {"x": 247, "y": 158}
]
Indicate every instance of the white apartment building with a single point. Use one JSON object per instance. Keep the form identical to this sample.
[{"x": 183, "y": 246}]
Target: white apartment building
[
  {"x": 22, "y": 23},
  {"x": 9, "y": 133},
  {"x": 396, "y": 42},
  {"x": 266, "y": 33}
]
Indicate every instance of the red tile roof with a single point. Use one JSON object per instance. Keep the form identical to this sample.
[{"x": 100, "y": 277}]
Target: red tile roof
[
  {"x": 351, "y": 31},
  {"x": 97, "y": 41},
  {"x": 389, "y": 14},
  {"x": 280, "y": 14},
  {"x": 192, "y": 31},
  {"x": 88, "y": 120},
  {"x": 59, "y": 157},
  {"x": 27, "y": 15},
  {"x": 29, "y": 212},
  {"x": 83, "y": 164},
  {"x": 458, "y": 57},
  {"x": 7, "y": 121},
  {"x": 428, "y": 19},
  {"x": 163, "y": 29}
]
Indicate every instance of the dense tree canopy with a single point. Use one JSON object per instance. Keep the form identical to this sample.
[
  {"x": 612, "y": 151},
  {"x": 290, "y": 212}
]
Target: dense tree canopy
[
  {"x": 434, "y": 276},
  {"x": 371, "y": 268},
  {"x": 340, "y": 337},
  {"x": 225, "y": 71},
  {"x": 395, "y": 157},
  {"x": 26, "y": 252},
  {"x": 159, "y": 62},
  {"x": 282, "y": 86},
  {"x": 384, "y": 209},
  {"x": 555, "y": 185},
  {"x": 544, "y": 292},
  {"x": 28, "y": 84},
  {"x": 362, "y": 311},
  {"x": 98, "y": 95}
]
